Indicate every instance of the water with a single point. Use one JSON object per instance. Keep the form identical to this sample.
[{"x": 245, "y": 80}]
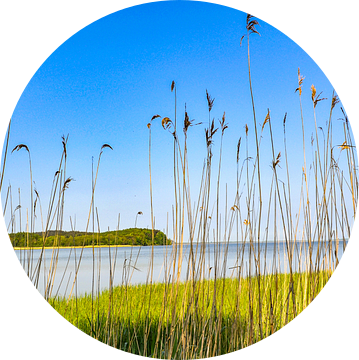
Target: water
[{"x": 131, "y": 265}]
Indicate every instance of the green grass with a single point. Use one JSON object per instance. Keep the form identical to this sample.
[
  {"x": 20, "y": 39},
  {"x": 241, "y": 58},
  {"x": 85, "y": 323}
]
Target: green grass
[{"x": 201, "y": 319}]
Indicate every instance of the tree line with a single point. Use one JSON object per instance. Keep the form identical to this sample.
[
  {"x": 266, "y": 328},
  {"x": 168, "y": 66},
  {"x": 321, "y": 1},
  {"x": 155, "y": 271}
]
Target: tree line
[{"x": 133, "y": 236}]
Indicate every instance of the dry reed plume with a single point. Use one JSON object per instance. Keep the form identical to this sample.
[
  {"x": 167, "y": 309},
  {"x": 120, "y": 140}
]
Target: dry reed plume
[{"x": 206, "y": 307}]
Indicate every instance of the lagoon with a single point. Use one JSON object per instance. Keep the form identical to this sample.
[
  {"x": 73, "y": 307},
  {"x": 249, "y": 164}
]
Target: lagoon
[{"x": 131, "y": 265}]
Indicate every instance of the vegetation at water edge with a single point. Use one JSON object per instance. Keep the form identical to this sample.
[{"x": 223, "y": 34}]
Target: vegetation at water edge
[{"x": 134, "y": 236}]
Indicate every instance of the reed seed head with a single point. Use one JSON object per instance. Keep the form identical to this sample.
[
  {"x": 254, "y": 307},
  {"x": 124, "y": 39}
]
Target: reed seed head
[
  {"x": 187, "y": 123},
  {"x": 345, "y": 146},
  {"x": 300, "y": 82},
  {"x": 106, "y": 146},
  {"x": 335, "y": 100},
  {"x": 209, "y": 134},
  {"x": 223, "y": 124},
  {"x": 20, "y": 146},
  {"x": 35, "y": 202},
  {"x": 155, "y": 117},
  {"x": 66, "y": 183},
  {"x": 251, "y": 25},
  {"x": 210, "y": 101},
  {"x": 267, "y": 118},
  {"x": 277, "y": 160},
  {"x": 314, "y": 91},
  {"x": 64, "y": 143},
  {"x": 166, "y": 123},
  {"x": 315, "y": 98},
  {"x": 238, "y": 148}
]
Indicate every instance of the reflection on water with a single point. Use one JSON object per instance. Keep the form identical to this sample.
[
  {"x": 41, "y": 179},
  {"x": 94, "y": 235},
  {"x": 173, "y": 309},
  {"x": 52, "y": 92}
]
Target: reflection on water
[{"x": 133, "y": 265}]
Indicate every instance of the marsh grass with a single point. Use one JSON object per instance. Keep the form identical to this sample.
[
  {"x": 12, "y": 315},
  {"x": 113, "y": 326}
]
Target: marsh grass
[
  {"x": 240, "y": 304},
  {"x": 132, "y": 306}
]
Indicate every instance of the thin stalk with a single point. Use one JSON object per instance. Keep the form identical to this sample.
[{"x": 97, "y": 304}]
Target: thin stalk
[{"x": 5, "y": 154}]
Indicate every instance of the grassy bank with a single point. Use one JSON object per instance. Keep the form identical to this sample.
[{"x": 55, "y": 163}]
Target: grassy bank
[{"x": 194, "y": 319}]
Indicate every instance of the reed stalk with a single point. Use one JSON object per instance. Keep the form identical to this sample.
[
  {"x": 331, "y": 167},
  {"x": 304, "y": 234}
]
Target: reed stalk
[
  {"x": 206, "y": 306},
  {"x": 5, "y": 155}
]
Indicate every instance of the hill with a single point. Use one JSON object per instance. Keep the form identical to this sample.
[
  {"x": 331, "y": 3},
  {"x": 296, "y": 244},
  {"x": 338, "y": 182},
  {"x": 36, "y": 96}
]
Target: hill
[{"x": 133, "y": 236}]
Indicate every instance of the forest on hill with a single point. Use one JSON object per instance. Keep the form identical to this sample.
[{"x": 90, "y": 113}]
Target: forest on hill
[{"x": 133, "y": 236}]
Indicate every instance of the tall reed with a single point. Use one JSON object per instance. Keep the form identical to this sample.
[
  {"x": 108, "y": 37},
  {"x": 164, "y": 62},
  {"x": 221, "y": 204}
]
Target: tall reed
[{"x": 206, "y": 306}]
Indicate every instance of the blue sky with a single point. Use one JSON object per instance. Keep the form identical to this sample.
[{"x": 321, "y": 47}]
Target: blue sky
[{"x": 105, "y": 83}]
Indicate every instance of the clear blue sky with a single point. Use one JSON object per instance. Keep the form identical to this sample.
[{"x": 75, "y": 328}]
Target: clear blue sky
[{"x": 105, "y": 83}]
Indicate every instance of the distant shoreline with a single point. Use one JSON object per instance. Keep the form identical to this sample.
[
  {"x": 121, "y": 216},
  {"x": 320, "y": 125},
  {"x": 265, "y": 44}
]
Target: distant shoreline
[
  {"x": 76, "y": 247},
  {"x": 123, "y": 245}
]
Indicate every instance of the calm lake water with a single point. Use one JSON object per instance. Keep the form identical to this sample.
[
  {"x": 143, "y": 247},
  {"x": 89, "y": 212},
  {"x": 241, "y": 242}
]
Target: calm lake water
[{"x": 132, "y": 264}]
